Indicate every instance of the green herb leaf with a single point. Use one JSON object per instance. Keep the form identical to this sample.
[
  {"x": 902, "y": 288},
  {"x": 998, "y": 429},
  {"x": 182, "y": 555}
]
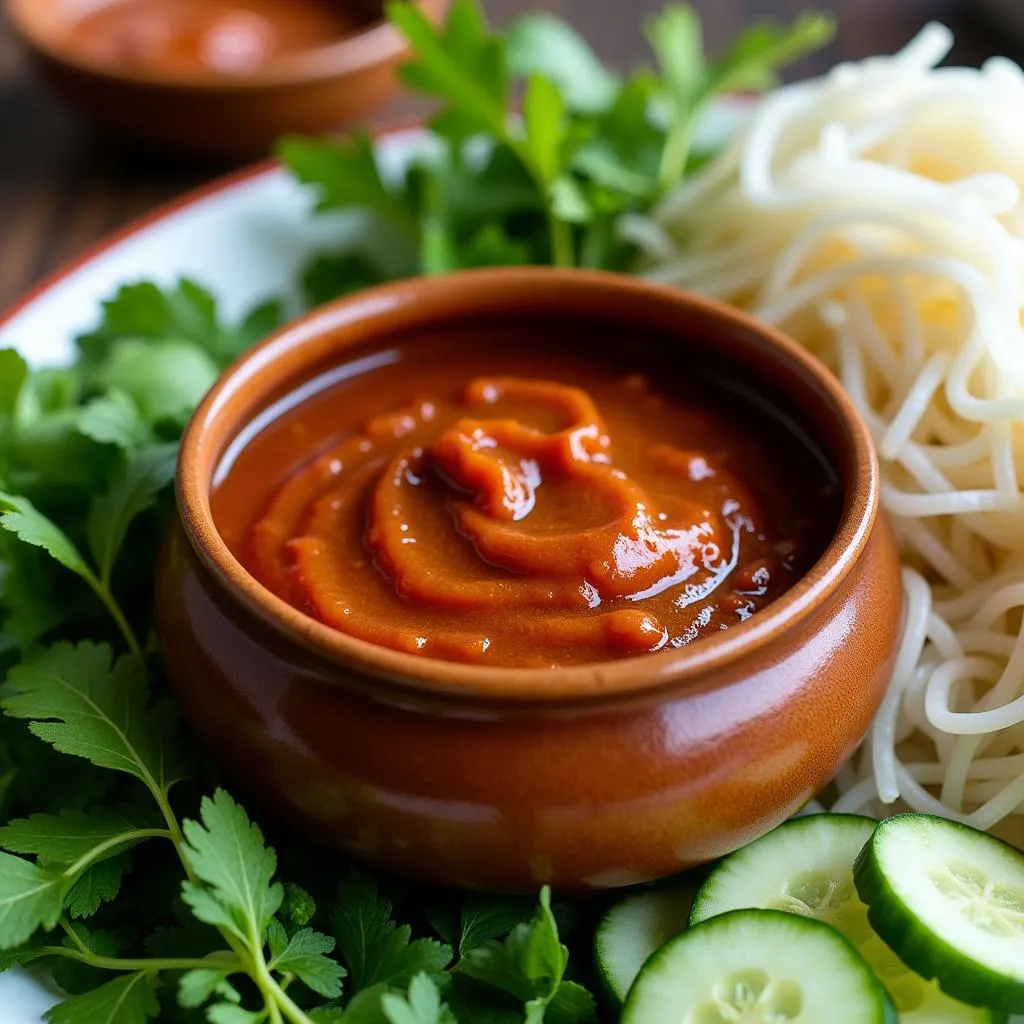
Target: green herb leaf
[
  {"x": 115, "y": 419},
  {"x": 84, "y": 704},
  {"x": 304, "y": 956},
  {"x": 202, "y": 984},
  {"x": 98, "y": 884},
  {"x": 133, "y": 490},
  {"x": 421, "y": 1005},
  {"x": 541, "y": 44},
  {"x": 345, "y": 174},
  {"x": 530, "y": 965},
  {"x": 329, "y": 277},
  {"x": 13, "y": 374},
  {"x": 30, "y": 897},
  {"x": 228, "y": 1013},
  {"x": 375, "y": 949},
  {"x": 126, "y": 1000},
  {"x": 677, "y": 40},
  {"x": 26, "y": 522},
  {"x": 166, "y": 379},
  {"x": 486, "y": 918},
  {"x": 544, "y": 119},
  {"x": 462, "y": 64},
  {"x": 75, "y": 977},
  {"x": 18, "y": 957},
  {"x": 68, "y": 836},
  {"x": 298, "y": 906},
  {"x": 227, "y": 852}
]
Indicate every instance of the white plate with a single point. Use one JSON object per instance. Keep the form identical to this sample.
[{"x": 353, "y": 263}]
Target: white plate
[{"x": 245, "y": 237}]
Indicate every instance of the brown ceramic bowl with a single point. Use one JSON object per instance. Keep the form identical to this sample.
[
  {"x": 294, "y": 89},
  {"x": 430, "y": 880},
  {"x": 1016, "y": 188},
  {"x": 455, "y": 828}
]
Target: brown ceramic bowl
[
  {"x": 201, "y": 111},
  {"x": 593, "y": 776}
]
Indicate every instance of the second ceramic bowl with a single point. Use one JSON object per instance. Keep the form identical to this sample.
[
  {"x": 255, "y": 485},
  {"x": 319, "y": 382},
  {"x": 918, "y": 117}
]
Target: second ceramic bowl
[
  {"x": 591, "y": 776},
  {"x": 129, "y": 74}
]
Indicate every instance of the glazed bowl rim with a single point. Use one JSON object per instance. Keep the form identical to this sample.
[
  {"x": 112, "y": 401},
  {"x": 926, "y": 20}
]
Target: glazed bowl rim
[
  {"x": 473, "y": 293},
  {"x": 369, "y": 45}
]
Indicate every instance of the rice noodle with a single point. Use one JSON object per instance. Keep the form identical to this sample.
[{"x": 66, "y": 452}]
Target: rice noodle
[{"x": 876, "y": 215}]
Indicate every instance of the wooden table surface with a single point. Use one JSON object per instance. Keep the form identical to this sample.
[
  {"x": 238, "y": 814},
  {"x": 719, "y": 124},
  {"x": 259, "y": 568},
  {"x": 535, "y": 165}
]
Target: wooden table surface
[{"x": 61, "y": 187}]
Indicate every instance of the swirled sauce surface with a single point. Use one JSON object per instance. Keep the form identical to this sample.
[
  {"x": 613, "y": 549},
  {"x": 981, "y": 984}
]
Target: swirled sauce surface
[{"x": 516, "y": 508}]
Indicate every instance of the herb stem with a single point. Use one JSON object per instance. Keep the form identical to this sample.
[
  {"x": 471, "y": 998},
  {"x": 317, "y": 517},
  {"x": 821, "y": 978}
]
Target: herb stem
[
  {"x": 561, "y": 241},
  {"x": 98, "y": 851},
  {"x": 676, "y": 151},
  {"x": 110, "y": 963},
  {"x": 110, "y": 603}
]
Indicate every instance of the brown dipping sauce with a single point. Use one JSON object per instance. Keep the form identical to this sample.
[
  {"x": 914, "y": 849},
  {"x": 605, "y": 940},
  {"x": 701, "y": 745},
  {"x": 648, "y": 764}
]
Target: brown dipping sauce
[
  {"x": 516, "y": 504},
  {"x": 227, "y": 36}
]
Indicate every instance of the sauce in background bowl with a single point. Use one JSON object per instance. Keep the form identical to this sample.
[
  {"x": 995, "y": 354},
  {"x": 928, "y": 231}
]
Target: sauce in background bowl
[
  {"x": 539, "y": 502},
  {"x": 596, "y": 775}
]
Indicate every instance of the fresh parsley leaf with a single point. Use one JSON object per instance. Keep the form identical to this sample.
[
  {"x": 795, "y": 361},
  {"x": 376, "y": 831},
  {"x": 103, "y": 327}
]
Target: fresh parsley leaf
[
  {"x": 463, "y": 63},
  {"x": 114, "y": 418},
  {"x": 125, "y": 1000},
  {"x": 530, "y": 965},
  {"x": 31, "y": 896},
  {"x": 330, "y": 276},
  {"x": 421, "y": 1005},
  {"x": 197, "y": 986},
  {"x": 375, "y": 949},
  {"x": 259, "y": 323},
  {"x": 345, "y": 174},
  {"x": 166, "y": 378},
  {"x": 83, "y": 703},
  {"x": 226, "y": 851},
  {"x": 18, "y": 957},
  {"x": 228, "y": 1013},
  {"x": 544, "y": 116},
  {"x": 541, "y": 44},
  {"x": 65, "y": 837},
  {"x": 100, "y": 883},
  {"x": 298, "y": 907},
  {"x": 133, "y": 490},
  {"x": 13, "y": 374},
  {"x": 485, "y": 918},
  {"x": 304, "y": 956},
  {"x": 25, "y": 521}
]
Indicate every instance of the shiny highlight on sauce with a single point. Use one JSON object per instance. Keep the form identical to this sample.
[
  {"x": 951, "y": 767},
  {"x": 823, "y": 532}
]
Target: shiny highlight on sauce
[{"x": 550, "y": 511}]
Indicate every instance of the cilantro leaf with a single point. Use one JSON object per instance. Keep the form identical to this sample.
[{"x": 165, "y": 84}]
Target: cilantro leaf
[
  {"x": 421, "y": 1005},
  {"x": 345, "y": 174},
  {"x": 100, "y": 883},
  {"x": 462, "y": 63},
  {"x": 197, "y": 986},
  {"x": 228, "y": 1013},
  {"x": 65, "y": 837},
  {"x": 544, "y": 118},
  {"x": 541, "y": 44},
  {"x": 133, "y": 490},
  {"x": 26, "y": 522},
  {"x": 84, "y": 704},
  {"x": 530, "y": 965},
  {"x": 31, "y": 896},
  {"x": 298, "y": 906},
  {"x": 226, "y": 851},
  {"x": 114, "y": 418},
  {"x": 13, "y": 374},
  {"x": 304, "y": 956},
  {"x": 329, "y": 276},
  {"x": 485, "y": 918},
  {"x": 375, "y": 949},
  {"x": 165, "y": 378},
  {"x": 125, "y": 1000}
]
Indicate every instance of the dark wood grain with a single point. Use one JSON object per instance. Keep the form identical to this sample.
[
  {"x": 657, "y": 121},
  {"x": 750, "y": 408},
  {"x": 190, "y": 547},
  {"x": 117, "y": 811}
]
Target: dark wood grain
[{"x": 61, "y": 187}]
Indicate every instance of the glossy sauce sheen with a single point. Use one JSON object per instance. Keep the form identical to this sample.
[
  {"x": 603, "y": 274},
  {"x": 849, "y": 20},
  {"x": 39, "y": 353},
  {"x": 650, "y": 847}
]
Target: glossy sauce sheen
[
  {"x": 516, "y": 507},
  {"x": 229, "y": 36}
]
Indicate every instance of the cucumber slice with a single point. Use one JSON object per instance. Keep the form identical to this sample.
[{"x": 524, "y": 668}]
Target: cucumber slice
[
  {"x": 758, "y": 967},
  {"x": 805, "y": 866},
  {"x": 633, "y": 929},
  {"x": 950, "y": 901}
]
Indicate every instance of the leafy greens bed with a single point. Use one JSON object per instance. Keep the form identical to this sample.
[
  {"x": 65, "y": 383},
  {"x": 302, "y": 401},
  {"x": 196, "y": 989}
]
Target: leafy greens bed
[{"x": 143, "y": 886}]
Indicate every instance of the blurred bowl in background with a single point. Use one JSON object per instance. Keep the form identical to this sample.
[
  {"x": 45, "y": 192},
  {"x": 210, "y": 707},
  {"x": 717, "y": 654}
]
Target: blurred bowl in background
[{"x": 215, "y": 78}]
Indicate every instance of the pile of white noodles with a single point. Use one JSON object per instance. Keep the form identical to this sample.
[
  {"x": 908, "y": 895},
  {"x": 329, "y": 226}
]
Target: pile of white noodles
[{"x": 876, "y": 215}]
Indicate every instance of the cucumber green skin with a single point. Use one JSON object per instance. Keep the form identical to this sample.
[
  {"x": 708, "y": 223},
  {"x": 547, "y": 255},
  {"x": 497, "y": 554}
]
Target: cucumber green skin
[
  {"x": 919, "y": 948},
  {"x": 705, "y": 894},
  {"x": 887, "y": 1012},
  {"x": 610, "y": 996}
]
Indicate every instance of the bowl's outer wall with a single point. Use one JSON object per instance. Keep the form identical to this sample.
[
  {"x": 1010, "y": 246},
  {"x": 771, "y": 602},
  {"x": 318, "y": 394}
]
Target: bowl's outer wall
[{"x": 507, "y": 798}]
